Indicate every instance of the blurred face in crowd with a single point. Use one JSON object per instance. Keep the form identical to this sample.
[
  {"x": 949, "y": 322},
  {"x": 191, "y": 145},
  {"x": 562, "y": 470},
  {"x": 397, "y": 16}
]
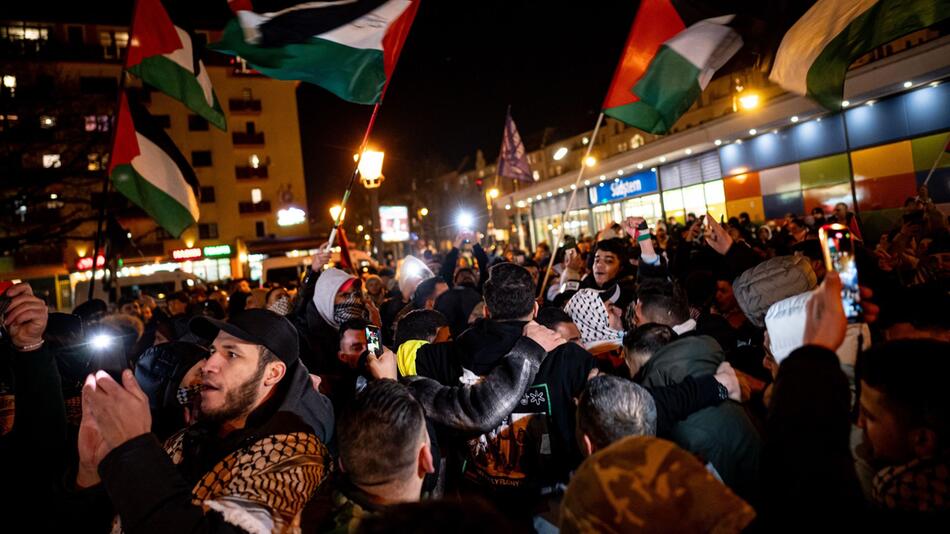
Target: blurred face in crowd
[
  {"x": 763, "y": 234},
  {"x": 352, "y": 345},
  {"x": 466, "y": 278},
  {"x": 606, "y": 266},
  {"x": 343, "y": 294},
  {"x": 661, "y": 233},
  {"x": 569, "y": 332},
  {"x": 797, "y": 232},
  {"x": 725, "y": 299},
  {"x": 534, "y": 274},
  {"x": 374, "y": 285},
  {"x": 177, "y": 307},
  {"x": 233, "y": 381},
  {"x": 882, "y": 427},
  {"x": 841, "y": 212},
  {"x": 132, "y": 308}
]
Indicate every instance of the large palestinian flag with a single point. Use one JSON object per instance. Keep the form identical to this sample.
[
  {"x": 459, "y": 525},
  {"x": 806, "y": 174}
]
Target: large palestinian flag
[
  {"x": 671, "y": 54},
  {"x": 163, "y": 55},
  {"x": 148, "y": 168},
  {"x": 814, "y": 56},
  {"x": 348, "y": 47}
]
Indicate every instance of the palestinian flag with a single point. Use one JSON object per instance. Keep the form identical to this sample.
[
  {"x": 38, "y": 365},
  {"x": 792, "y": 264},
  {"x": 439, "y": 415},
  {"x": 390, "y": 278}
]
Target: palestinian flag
[
  {"x": 671, "y": 54},
  {"x": 349, "y": 47},
  {"x": 148, "y": 168},
  {"x": 163, "y": 55},
  {"x": 814, "y": 56}
]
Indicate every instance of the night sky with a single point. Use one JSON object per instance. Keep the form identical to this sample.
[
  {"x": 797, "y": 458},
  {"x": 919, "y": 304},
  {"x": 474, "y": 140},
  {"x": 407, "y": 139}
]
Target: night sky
[{"x": 463, "y": 64}]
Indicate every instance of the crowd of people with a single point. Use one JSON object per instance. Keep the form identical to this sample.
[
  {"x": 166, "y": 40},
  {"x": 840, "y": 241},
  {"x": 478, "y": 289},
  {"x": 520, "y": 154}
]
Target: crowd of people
[{"x": 693, "y": 376}]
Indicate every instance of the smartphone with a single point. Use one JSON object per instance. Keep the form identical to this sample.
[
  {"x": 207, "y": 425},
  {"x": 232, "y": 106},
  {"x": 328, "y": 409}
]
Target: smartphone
[
  {"x": 373, "y": 343},
  {"x": 838, "y": 249}
]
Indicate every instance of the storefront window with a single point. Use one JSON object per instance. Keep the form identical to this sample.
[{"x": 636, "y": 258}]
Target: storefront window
[{"x": 647, "y": 207}]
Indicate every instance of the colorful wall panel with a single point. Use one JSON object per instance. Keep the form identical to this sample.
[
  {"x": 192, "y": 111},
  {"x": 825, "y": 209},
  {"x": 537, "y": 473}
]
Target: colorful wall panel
[
  {"x": 780, "y": 180},
  {"x": 825, "y": 171},
  {"x": 826, "y": 197},
  {"x": 877, "y": 123},
  {"x": 777, "y": 205},
  {"x": 882, "y": 161},
  {"x": 885, "y": 193},
  {"x": 742, "y": 186},
  {"x": 751, "y": 205},
  {"x": 928, "y": 109}
]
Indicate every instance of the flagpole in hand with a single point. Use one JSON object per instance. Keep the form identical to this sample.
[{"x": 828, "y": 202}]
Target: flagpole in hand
[{"x": 570, "y": 203}]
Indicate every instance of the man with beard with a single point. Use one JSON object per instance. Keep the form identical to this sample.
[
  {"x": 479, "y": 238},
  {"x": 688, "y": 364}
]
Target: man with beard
[{"x": 250, "y": 462}]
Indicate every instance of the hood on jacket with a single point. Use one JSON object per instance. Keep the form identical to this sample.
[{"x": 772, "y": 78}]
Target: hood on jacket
[
  {"x": 412, "y": 270},
  {"x": 687, "y": 356},
  {"x": 325, "y": 292},
  {"x": 785, "y": 323},
  {"x": 307, "y": 403},
  {"x": 771, "y": 281}
]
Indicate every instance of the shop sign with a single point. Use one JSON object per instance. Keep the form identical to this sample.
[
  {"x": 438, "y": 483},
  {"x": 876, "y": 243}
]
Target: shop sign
[
  {"x": 185, "y": 254},
  {"x": 84, "y": 264},
  {"x": 216, "y": 251},
  {"x": 638, "y": 184}
]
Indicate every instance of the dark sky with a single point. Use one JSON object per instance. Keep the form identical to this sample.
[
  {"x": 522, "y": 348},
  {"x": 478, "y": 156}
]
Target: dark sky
[{"x": 462, "y": 65}]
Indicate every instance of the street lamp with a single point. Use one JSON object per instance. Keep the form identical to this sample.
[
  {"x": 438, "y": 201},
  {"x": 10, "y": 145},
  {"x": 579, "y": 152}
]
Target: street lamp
[
  {"x": 423, "y": 212},
  {"x": 493, "y": 192},
  {"x": 371, "y": 176},
  {"x": 335, "y": 213}
]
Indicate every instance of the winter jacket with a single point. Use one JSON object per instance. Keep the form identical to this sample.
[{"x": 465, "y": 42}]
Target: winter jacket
[
  {"x": 200, "y": 482},
  {"x": 723, "y": 434},
  {"x": 536, "y": 442}
]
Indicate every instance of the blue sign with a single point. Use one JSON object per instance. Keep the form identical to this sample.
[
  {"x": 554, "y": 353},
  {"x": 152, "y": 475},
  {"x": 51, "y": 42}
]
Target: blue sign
[{"x": 635, "y": 185}]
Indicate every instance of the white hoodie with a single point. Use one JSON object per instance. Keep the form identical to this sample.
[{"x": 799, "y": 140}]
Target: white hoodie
[{"x": 324, "y": 293}]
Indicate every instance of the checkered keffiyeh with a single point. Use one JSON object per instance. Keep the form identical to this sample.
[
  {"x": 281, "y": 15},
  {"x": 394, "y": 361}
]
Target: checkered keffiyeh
[{"x": 589, "y": 313}]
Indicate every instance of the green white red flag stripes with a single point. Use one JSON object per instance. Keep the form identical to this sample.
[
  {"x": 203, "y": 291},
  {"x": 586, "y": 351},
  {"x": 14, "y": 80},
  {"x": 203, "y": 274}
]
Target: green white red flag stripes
[
  {"x": 814, "y": 56},
  {"x": 349, "y": 48},
  {"x": 668, "y": 60},
  {"x": 148, "y": 168},
  {"x": 163, "y": 55}
]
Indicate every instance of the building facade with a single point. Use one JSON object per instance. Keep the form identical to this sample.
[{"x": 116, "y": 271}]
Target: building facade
[{"x": 253, "y": 196}]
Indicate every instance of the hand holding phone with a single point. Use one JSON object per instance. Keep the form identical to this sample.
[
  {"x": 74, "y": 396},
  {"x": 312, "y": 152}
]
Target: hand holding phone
[
  {"x": 838, "y": 250},
  {"x": 373, "y": 343}
]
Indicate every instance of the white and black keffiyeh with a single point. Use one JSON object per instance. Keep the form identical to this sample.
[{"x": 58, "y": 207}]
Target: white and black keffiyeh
[{"x": 588, "y": 312}]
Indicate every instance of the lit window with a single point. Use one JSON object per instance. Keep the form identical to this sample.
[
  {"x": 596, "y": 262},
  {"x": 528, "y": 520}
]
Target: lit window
[
  {"x": 9, "y": 81},
  {"x": 47, "y": 122},
  {"x": 536, "y": 175},
  {"x": 636, "y": 141},
  {"x": 255, "y": 195},
  {"x": 255, "y": 161},
  {"x": 51, "y": 161}
]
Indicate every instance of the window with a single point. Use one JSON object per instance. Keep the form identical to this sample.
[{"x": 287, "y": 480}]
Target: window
[
  {"x": 8, "y": 88},
  {"x": 636, "y": 141},
  {"x": 254, "y": 160},
  {"x": 47, "y": 122},
  {"x": 74, "y": 35},
  {"x": 26, "y": 38},
  {"x": 165, "y": 121},
  {"x": 197, "y": 123},
  {"x": 94, "y": 162},
  {"x": 250, "y": 128},
  {"x": 51, "y": 161},
  {"x": 99, "y": 123},
  {"x": 208, "y": 230},
  {"x": 7, "y": 122},
  {"x": 113, "y": 43},
  {"x": 536, "y": 175},
  {"x": 201, "y": 158},
  {"x": 207, "y": 194},
  {"x": 259, "y": 230},
  {"x": 256, "y": 195}
]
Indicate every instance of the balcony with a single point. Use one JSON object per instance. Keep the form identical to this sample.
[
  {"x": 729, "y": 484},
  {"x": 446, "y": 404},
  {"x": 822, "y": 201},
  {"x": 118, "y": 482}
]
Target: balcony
[
  {"x": 250, "y": 207},
  {"x": 244, "y": 105},
  {"x": 247, "y": 138},
  {"x": 247, "y": 172}
]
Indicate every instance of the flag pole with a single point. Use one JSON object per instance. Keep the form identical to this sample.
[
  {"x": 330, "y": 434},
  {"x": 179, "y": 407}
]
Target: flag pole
[
  {"x": 933, "y": 167},
  {"x": 349, "y": 187},
  {"x": 106, "y": 181},
  {"x": 570, "y": 201}
]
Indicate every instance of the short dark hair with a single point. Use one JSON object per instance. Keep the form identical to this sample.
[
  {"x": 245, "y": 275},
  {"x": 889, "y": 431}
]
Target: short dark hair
[
  {"x": 377, "y": 433},
  {"x": 611, "y": 408},
  {"x": 424, "y": 291},
  {"x": 911, "y": 375},
  {"x": 419, "y": 324},
  {"x": 744, "y": 215},
  {"x": 509, "y": 292},
  {"x": 616, "y": 245},
  {"x": 550, "y": 317},
  {"x": 352, "y": 324},
  {"x": 663, "y": 302},
  {"x": 648, "y": 338}
]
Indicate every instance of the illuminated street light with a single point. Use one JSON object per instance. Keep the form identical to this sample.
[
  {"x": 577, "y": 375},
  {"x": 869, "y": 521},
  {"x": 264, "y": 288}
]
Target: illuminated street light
[
  {"x": 359, "y": 228},
  {"x": 371, "y": 168},
  {"x": 493, "y": 192},
  {"x": 423, "y": 212},
  {"x": 335, "y": 213},
  {"x": 750, "y": 101}
]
